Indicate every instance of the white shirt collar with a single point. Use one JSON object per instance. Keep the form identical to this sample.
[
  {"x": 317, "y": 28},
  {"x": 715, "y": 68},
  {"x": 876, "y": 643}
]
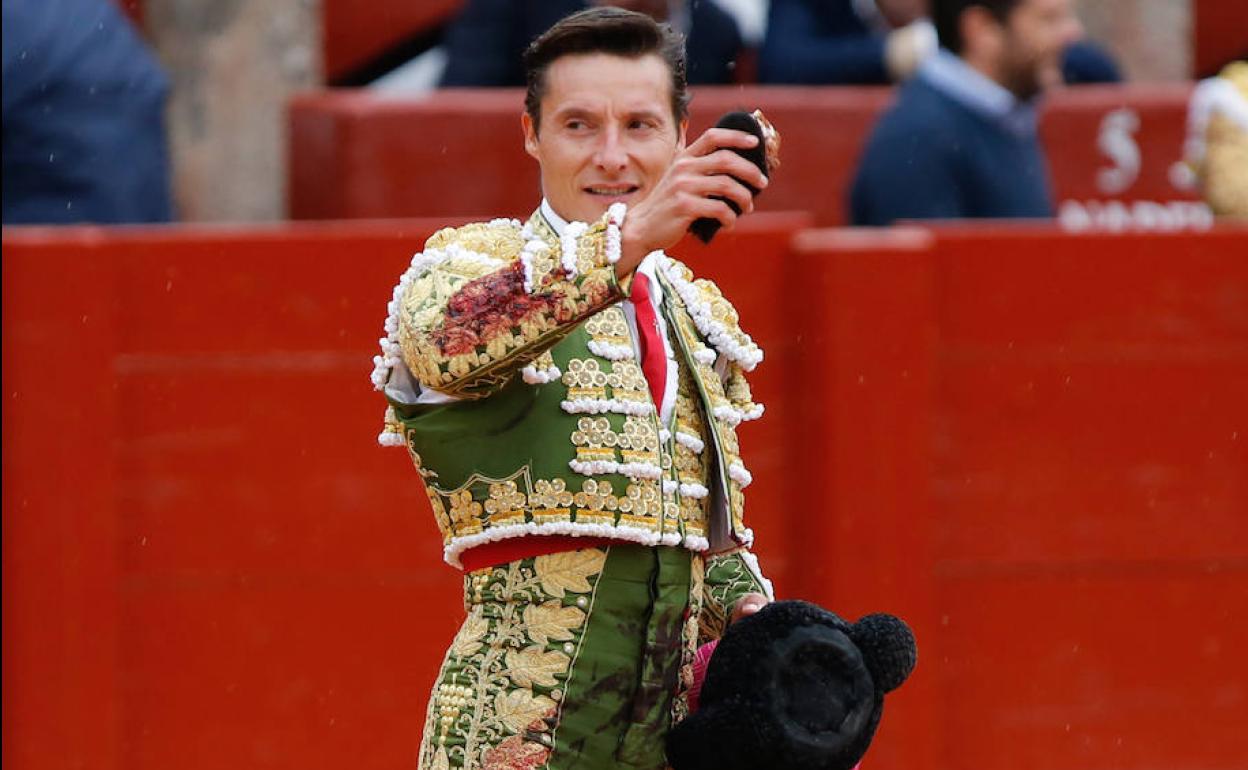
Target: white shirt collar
[
  {"x": 556, "y": 222},
  {"x": 975, "y": 90}
]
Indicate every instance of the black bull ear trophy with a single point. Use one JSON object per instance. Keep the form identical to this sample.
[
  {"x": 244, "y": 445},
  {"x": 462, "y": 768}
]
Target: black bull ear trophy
[{"x": 765, "y": 155}]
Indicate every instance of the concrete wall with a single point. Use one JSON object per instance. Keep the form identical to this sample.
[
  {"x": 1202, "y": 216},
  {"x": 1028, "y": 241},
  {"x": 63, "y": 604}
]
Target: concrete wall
[
  {"x": 1151, "y": 38},
  {"x": 233, "y": 66}
]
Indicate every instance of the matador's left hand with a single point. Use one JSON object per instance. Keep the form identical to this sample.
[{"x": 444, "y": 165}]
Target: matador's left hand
[{"x": 748, "y": 605}]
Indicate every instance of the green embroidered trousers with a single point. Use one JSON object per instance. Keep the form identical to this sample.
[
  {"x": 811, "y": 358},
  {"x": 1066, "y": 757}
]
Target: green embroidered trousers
[{"x": 580, "y": 659}]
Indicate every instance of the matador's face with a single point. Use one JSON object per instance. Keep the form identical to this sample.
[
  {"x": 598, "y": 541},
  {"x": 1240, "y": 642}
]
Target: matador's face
[{"x": 607, "y": 132}]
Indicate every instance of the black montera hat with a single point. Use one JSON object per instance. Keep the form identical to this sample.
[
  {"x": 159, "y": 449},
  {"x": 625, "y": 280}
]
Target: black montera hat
[{"x": 794, "y": 687}]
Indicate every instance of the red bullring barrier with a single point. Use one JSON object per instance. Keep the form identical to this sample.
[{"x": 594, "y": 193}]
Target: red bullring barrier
[
  {"x": 1032, "y": 445},
  {"x": 207, "y": 558},
  {"x": 1115, "y": 152}
]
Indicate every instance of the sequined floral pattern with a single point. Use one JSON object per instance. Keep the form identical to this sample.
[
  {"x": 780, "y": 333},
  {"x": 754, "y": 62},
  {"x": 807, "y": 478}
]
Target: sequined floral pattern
[{"x": 496, "y": 705}]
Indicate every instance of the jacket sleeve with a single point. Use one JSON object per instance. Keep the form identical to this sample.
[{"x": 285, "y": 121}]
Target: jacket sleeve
[
  {"x": 483, "y": 301},
  {"x": 729, "y": 576}
]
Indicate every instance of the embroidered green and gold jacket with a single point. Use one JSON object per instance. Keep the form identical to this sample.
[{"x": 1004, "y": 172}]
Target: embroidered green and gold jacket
[{"x": 511, "y": 377}]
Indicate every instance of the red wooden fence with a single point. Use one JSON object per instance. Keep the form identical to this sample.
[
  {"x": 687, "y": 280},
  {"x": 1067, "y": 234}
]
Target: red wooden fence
[
  {"x": 1115, "y": 152},
  {"x": 1033, "y": 446}
]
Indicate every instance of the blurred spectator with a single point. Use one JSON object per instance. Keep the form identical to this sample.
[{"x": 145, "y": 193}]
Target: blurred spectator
[
  {"x": 1085, "y": 62},
  {"x": 84, "y": 133},
  {"x": 485, "y": 42},
  {"x": 873, "y": 42},
  {"x": 961, "y": 139},
  {"x": 1217, "y": 140},
  {"x": 845, "y": 41}
]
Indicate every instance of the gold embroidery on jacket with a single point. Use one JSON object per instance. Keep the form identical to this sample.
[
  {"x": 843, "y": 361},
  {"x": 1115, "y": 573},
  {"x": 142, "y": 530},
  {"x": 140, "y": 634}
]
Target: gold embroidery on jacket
[
  {"x": 594, "y": 439},
  {"x": 631, "y": 439},
  {"x": 585, "y": 379},
  {"x": 728, "y": 579},
  {"x": 506, "y": 504},
  {"x": 639, "y": 443},
  {"x": 484, "y": 503},
  {"x": 691, "y": 467},
  {"x": 597, "y": 495},
  {"x": 465, "y": 512},
  {"x": 551, "y": 501},
  {"x": 628, "y": 382},
  {"x": 611, "y": 327},
  {"x": 544, "y": 362}
]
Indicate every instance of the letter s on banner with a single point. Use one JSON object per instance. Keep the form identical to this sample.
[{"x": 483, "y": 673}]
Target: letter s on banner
[{"x": 1116, "y": 141}]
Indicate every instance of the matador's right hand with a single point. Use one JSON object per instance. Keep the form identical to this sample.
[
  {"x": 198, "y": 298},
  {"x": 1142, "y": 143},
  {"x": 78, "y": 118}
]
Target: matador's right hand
[{"x": 687, "y": 191}]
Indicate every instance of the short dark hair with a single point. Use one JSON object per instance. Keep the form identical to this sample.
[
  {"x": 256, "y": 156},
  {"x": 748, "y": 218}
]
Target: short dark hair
[
  {"x": 605, "y": 30},
  {"x": 947, "y": 17}
]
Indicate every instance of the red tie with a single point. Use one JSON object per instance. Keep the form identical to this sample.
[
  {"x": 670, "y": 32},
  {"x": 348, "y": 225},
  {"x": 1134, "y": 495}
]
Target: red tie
[{"x": 653, "y": 356}]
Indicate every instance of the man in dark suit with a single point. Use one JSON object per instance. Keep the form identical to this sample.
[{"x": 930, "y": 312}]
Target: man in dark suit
[
  {"x": 874, "y": 42},
  {"x": 961, "y": 140},
  {"x": 84, "y": 132}
]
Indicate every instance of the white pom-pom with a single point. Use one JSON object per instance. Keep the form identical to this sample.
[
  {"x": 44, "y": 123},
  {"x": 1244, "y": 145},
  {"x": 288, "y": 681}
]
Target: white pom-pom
[
  {"x": 390, "y": 438},
  {"x": 739, "y": 474},
  {"x": 690, "y": 442},
  {"x": 535, "y": 376}
]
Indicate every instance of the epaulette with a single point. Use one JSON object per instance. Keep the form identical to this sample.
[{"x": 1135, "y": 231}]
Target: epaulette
[{"x": 499, "y": 238}]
